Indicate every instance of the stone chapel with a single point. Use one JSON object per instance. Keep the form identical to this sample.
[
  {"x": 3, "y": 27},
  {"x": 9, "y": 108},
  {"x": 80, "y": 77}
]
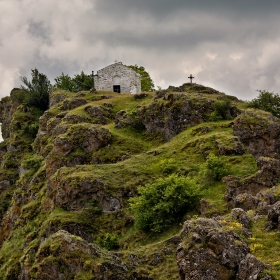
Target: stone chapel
[{"x": 118, "y": 78}]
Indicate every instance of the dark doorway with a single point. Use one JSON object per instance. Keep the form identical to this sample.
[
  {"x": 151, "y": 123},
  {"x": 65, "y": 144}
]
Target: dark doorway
[{"x": 117, "y": 88}]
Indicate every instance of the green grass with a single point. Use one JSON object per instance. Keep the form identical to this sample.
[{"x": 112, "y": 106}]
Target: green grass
[{"x": 266, "y": 246}]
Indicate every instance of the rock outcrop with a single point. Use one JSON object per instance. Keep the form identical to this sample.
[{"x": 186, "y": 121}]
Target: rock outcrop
[
  {"x": 274, "y": 217},
  {"x": 208, "y": 251},
  {"x": 170, "y": 113},
  {"x": 259, "y": 132},
  {"x": 74, "y": 193},
  {"x": 72, "y": 256}
]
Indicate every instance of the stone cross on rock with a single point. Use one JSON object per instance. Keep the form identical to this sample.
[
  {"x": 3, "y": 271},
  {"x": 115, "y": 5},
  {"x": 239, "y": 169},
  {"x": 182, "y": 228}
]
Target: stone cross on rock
[{"x": 191, "y": 77}]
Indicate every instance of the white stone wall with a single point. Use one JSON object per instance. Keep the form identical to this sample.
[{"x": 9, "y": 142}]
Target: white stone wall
[{"x": 118, "y": 74}]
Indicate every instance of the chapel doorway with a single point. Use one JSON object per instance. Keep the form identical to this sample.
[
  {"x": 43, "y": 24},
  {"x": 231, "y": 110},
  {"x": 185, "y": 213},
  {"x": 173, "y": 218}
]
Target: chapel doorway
[
  {"x": 116, "y": 84},
  {"x": 117, "y": 88}
]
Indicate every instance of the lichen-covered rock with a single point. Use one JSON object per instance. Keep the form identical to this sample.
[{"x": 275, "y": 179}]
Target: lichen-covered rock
[
  {"x": 70, "y": 104},
  {"x": 10, "y": 218},
  {"x": 7, "y": 109},
  {"x": 75, "y": 194},
  {"x": 123, "y": 119},
  {"x": 56, "y": 98},
  {"x": 207, "y": 251},
  {"x": 241, "y": 216},
  {"x": 99, "y": 114},
  {"x": 245, "y": 192},
  {"x": 5, "y": 184},
  {"x": 233, "y": 147},
  {"x": 193, "y": 87},
  {"x": 87, "y": 137},
  {"x": 250, "y": 268},
  {"x": 274, "y": 217},
  {"x": 170, "y": 113},
  {"x": 259, "y": 132},
  {"x": 65, "y": 256}
]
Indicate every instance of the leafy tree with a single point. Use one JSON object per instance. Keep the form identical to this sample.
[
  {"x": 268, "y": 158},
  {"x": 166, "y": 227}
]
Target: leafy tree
[
  {"x": 147, "y": 83},
  {"x": 82, "y": 82},
  {"x": 78, "y": 83},
  {"x": 64, "y": 82},
  {"x": 267, "y": 101},
  {"x": 35, "y": 92},
  {"x": 165, "y": 201}
]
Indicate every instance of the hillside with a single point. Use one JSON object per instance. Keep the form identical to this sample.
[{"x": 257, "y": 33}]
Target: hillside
[{"x": 65, "y": 192}]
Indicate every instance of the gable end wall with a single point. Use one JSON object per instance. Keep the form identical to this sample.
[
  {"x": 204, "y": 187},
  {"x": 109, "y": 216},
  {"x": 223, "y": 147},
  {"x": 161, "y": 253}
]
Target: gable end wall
[{"x": 130, "y": 81}]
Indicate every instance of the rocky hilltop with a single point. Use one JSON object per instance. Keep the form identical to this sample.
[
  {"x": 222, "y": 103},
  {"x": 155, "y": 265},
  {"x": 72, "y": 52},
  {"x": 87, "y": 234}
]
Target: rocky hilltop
[{"x": 67, "y": 176}]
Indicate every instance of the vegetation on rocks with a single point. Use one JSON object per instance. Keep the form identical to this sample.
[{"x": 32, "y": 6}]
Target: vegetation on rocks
[
  {"x": 267, "y": 101},
  {"x": 120, "y": 186},
  {"x": 162, "y": 203},
  {"x": 147, "y": 83},
  {"x": 34, "y": 93}
]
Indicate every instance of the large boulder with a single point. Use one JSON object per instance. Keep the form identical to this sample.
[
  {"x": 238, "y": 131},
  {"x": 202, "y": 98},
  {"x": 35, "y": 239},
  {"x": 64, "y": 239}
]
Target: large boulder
[
  {"x": 259, "y": 132},
  {"x": 170, "y": 114},
  {"x": 66, "y": 256},
  {"x": 207, "y": 251},
  {"x": 274, "y": 217},
  {"x": 251, "y": 268},
  {"x": 70, "y": 104},
  {"x": 247, "y": 192},
  {"x": 87, "y": 137}
]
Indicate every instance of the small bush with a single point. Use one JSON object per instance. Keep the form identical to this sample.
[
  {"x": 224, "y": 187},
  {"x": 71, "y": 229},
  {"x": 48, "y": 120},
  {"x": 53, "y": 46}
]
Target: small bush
[
  {"x": 164, "y": 202},
  {"x": 168, "y": 166},
  {"x": 31, "y": 130},
  {"x": 221, "y": 110},
  {"x": 108, "y": 242},
  {"x": 33, "y": 162},
  {"x": 214, "y": 168}
]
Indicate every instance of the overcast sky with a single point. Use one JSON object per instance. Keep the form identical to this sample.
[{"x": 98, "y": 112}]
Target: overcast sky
[{"x": 230, "y": 45}]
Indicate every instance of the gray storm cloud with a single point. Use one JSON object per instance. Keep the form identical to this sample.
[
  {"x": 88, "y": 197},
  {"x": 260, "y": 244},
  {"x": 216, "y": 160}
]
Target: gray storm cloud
[{"x": 232, "y": 46}]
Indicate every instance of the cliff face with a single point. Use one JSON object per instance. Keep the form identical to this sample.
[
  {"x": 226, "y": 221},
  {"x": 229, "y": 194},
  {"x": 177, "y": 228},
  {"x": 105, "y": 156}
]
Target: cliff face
[{"x": 67, "y": 174}]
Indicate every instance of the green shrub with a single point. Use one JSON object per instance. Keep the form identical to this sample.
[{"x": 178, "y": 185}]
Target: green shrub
[
  {"x": 214, "y": 168},
  {"x": 168, "y": 166},
  {"x": 221, "y": 110},
  {"x": 31, "y": 130},
  {"x": 164, "y": 202},
  {"x": 267, "y": 101},
  {"x": 109, "y": 241},
  {"x": 33, "y": 162}
]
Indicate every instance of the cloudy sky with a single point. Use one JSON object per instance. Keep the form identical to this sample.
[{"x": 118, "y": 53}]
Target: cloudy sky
[{"x": 230, "y": 45}]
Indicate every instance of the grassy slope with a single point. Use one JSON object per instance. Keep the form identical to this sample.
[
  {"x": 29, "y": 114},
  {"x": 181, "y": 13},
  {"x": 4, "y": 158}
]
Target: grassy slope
[{"x": 183, "y": 155}]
